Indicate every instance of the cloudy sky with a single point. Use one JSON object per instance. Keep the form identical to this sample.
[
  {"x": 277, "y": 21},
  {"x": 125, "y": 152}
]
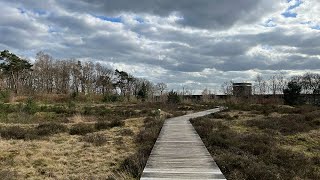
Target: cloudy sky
[{"x": 194, "y": 44}]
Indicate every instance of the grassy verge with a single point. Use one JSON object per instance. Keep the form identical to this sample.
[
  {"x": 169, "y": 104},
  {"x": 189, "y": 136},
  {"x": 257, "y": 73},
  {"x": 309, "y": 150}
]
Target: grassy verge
[
  {"x": 264, "y": 142},
  {"x": 145, "y": 140}
]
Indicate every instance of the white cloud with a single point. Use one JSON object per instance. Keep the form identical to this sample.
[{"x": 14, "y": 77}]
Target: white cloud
[{"x": 197, "y": 44}]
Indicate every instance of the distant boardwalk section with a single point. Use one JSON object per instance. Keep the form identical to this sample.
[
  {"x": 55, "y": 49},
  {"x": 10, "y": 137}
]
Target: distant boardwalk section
[{"x": 179, "y": 153}]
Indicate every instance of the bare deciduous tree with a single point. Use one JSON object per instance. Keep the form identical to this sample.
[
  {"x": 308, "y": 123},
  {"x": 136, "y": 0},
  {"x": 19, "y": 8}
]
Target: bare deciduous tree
[
  {"x": 161, "y": 87},
  {"x": 261, "y": 85},
  {"x": 226, "y": 88}
]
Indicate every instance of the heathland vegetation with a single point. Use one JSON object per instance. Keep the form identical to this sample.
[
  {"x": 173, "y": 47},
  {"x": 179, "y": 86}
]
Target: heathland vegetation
[
  {"x": 264, "y": 141},
  {"x": 70, "y": 119},
  {"x": 80, "y": 140}
]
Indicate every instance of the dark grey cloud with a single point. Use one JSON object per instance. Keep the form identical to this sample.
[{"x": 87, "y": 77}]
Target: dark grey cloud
[
  {"x": 215, "y": 14},
  {"x": 208, "y": 38},
  {"x": 201, "y": 13},
  {"x": 297, "y": 62},
  {"x": 280, "y": 37}
]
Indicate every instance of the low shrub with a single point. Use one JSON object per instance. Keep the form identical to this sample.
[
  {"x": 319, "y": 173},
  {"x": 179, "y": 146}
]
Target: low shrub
[
  {"x": 17, "y": 132},
  {"x": 112, "y": 98},
  {"x": 258, "y": 154},
  {"x": 312, "y": 115},
  {"x": 245, "y": 166},
  {"x": 100, "y": 125},
  {"x": 5, "y": 96},
  {"x": 46, "y": 129},
  {"x": 57, "y": 109},
  {"x": 81, "y": 129},
  {"x": 135, "y": 164},
  {"x": 126, "y": 132},
  {"x": 5, "y": 108},
  {"x": 223, "y": 116},
  {"x": 95, "y": 139},
  {"x": 96, "y": 110},
  {"x": 31, "y": 107},
  {"x": 116, "y": 123},
  {"x": 173, "y": 97},
  {"x": 288, "y": 124},
  {"x": 256, "y": 143}
]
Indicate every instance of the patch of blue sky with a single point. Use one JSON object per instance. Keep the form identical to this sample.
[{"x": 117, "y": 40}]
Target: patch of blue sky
[
  {"x": 139, "y": 19},
  {"x": 316, "y": 27},
  {"x": 53, "y": 29},
  {"x": 306, "y": 23},
  {"x": 109, "y": 18},
  {"x": 266, "y": 47},
  {"x": 297, "y": 4},
  {"x": 270, "y": 23},
  {"x": 39, "y": 12},
  {"x": 22, "y": 10},
  {"x": 289, "y": 14}
]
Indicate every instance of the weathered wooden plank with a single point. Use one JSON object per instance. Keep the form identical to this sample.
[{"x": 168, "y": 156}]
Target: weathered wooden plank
[{"x": 179, "y": 153}]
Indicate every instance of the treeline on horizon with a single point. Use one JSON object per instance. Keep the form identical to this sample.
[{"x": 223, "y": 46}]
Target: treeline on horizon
[
  {"x": 308, "y": 83},
  {"x": 290, "y": 88},
  {"x": 50, "y": 76}
]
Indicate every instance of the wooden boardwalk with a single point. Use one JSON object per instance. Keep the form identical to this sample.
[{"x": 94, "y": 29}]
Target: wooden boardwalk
[{"x": 179, "y": 153}]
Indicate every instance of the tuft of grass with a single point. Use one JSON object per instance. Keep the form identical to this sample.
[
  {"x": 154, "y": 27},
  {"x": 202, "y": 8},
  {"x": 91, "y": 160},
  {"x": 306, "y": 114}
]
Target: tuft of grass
[
  {"x": 6, "y": 174},
  {"x": 96, "y": 139}
]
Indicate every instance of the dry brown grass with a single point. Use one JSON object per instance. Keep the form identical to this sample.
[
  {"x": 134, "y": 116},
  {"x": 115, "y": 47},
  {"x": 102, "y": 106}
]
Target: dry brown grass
[
  {"x": 77, "y": 118},
  {"x": 65, "y": 156}
]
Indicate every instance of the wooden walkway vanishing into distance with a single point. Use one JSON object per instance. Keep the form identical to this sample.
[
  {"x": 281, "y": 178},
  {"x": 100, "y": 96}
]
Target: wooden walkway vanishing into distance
[{"x": 179, "y": 153}]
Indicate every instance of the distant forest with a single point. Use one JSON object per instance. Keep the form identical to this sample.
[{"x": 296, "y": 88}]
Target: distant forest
[{"x": 50, "y": 76}]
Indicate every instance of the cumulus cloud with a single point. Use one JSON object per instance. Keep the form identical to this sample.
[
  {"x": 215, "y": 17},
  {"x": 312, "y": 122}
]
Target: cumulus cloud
[{"x": 196, "y": 44}]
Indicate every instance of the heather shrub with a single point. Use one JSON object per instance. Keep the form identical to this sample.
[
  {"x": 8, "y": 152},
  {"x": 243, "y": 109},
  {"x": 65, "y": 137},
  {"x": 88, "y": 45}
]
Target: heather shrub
[
  {"x": 81, "y": 129},
  {"x": 46, "y": 129},
  {"x": 95, "y": 139}
]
